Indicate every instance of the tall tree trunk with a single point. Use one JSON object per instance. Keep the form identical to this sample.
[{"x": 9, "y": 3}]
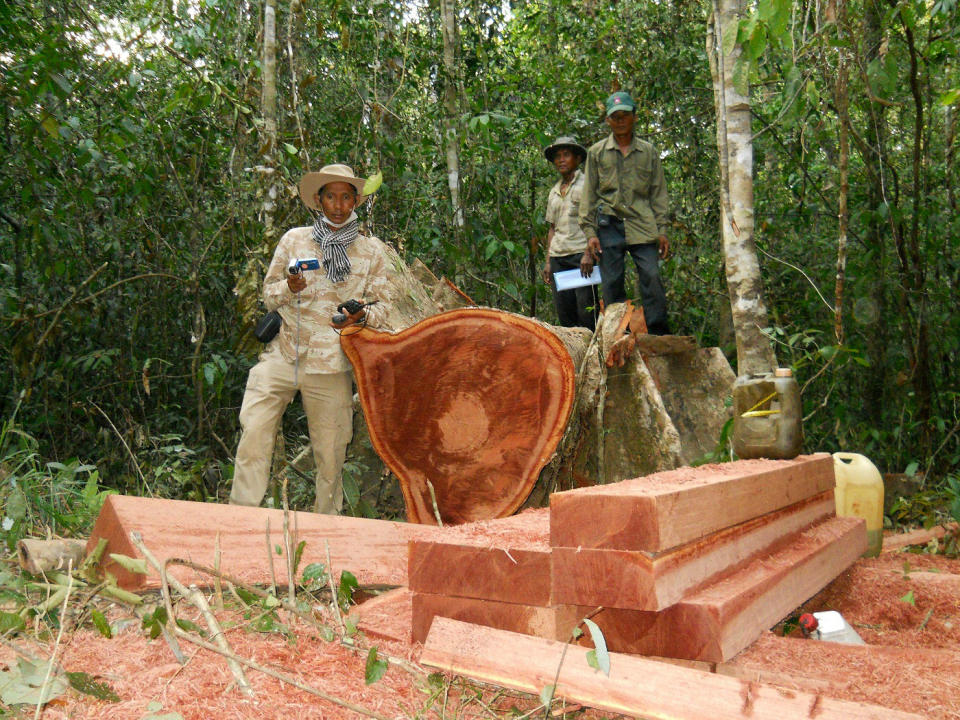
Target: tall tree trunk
[
  {"x": 735, "y": 146},
  {"x": 842, "y": 102},
  {"x": 268, "y": 107},
  {"x": 451, "y": 135}
]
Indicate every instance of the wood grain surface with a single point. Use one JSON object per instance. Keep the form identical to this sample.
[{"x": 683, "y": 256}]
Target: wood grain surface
[{"x": 471, "y": 401}]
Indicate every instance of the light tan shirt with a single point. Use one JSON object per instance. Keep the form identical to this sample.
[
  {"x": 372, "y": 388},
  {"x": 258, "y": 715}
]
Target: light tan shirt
[
  {"x": 630, "y": 186},
  {"x": 563, "y": 212},
  {"x": 319, "y": 344}
]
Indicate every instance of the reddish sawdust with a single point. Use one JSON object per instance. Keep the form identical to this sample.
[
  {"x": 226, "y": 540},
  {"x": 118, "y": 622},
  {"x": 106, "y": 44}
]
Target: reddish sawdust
[{"x": 912, "y": 663}]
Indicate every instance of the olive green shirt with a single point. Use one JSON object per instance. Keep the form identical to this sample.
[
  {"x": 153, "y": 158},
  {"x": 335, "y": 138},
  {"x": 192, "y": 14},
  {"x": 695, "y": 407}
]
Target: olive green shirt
[{"x": 630, "y": 186}]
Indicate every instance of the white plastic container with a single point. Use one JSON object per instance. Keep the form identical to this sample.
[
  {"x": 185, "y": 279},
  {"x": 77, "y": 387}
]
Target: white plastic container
[
  {"x": 832, "y": 627},
  {"x": 859, "y": 493},
  {"x": 767, "y": 414}
]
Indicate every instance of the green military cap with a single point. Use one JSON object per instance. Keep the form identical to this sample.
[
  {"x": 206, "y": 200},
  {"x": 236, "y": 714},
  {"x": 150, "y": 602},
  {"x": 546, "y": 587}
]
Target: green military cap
[{"x": 620, "y": 101}]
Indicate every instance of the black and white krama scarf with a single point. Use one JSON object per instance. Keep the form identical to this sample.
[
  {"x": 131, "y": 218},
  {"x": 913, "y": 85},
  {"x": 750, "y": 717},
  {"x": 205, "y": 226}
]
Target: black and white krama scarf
[{"x": 334, "y": 243}]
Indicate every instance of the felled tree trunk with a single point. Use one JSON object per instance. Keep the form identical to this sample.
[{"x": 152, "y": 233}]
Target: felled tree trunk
[
  {"x": 465, "y": 408},
  {"x": 656, "y": 412}
]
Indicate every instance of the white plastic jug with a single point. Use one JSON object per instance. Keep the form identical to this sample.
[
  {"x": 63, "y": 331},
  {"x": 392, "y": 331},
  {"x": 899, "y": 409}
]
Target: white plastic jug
[{"x": 859, "y": 493}]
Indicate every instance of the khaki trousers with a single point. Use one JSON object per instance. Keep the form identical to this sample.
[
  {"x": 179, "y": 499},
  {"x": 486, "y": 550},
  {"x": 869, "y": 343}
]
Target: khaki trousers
[{"x": 328, "y": 402}]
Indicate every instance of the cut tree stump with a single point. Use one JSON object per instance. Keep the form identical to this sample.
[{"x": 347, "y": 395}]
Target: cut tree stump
[
  {"x": 635, "y": 686},
  {"x": 375, "y": 551},
  {"x": 661, "y": 511},
  {"x": 634, "y": 579},
  {"x": 465, "y": 408}
]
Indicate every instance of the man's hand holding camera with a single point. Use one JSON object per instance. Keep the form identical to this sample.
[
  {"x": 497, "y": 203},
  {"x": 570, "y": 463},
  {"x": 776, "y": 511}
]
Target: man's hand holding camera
[{"x": 351, "y": 312}]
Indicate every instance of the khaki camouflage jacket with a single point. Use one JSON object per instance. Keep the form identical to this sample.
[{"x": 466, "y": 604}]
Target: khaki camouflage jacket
[{"x": 318, "y": 343}]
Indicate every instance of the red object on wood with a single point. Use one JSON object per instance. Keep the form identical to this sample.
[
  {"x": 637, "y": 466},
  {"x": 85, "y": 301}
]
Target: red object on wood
[
  {"x": 667, "y": 509},
  {"x": 506, "y": 559},
  {"x": 634, "y": 579},
  {"x": 637, "y": 687},
  {"x": 375, "y": 551},
  {"x": 472, "y": 402}
]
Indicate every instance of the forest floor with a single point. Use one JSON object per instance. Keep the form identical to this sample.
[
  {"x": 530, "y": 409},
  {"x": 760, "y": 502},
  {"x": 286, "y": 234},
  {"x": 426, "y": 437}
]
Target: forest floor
[{"x": 905, "y": 606}]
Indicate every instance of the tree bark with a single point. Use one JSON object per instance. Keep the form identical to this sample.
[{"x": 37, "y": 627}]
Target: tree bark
[
  {"x": 451, "y": 135},
  {"x": 735, "y": 146}
]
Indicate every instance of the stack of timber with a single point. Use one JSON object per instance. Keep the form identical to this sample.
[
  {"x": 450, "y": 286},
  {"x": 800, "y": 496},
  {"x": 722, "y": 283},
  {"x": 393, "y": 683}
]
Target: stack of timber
[{"x": 692, "y": 563}]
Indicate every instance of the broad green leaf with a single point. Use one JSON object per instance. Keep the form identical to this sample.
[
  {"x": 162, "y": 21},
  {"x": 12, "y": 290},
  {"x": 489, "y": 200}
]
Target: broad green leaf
[
  {"x": 291, "y": 149},
  {"x": 375, "y": 668},
  {"x": 84, "y": 683},
  {"x": 314, "y": 574},
  {"x": 100, "y": 622},
  {"x": 951, "y": 97},
  {"x": 189, "y": 626},
  {"x": 758, "y": 42},
  {"x": 10, "y": 621},
  {"x": 373, "y": 183},
  {"x": 765, "y": 10},
  {"x": 729, "y": 33},
  {"x": 741, "y": 75},
  {"x": 546, "y": 695},
  {"x": 909, "y": 599},
  {"x": 16, "y": 507},
  {"x": 911, "y": 469},
  {"x": 600, "y": 646},
  {"x": 348, "y": 583}
]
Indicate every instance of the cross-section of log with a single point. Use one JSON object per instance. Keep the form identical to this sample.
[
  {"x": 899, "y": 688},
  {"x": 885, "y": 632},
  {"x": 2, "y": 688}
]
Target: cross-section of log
[
  {"x": 635, "y": 686},
  {"x": 373, "y": 550},
  {"x": 667, "y": 509},
  {"x": 506, "y": 559},
  {"x": 465, "y": 407},
  {"x": 638, "y": 580}
]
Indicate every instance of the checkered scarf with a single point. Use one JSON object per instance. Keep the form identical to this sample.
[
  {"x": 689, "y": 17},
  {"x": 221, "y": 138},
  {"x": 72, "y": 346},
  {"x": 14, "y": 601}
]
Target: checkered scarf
[{"x": 334, "y": 243}]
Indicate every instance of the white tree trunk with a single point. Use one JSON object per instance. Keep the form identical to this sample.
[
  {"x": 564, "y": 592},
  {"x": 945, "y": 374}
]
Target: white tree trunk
[
  {"x": 735, "y": 146},
  {"x": 451, "y": 136},
  {"x": 268, "y": 108}
]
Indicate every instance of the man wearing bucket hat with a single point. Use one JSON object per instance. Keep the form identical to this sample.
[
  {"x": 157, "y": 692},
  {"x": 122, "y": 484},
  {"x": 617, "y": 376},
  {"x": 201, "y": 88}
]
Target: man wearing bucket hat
[
  {"x": 305, "y": 354},
  {"x": 565, "y": 240},
  {"x": 624, "y": 210}
]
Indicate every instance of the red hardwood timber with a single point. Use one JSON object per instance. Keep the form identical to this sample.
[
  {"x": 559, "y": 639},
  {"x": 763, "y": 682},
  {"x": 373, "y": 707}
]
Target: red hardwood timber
[
  {"x": 635, "y": 686},
  {"x": 471, "y": 401},
  {"x": 667, "y": 509},
  {"x": 898, "y": 541},
  {"x": 555, "y": 622},
  {"x": 373, "y": 550},
  {"x": 637, "y": 580},
  {"x": 722, "y": 618},
  {"x": 506, "y": 559},
  {"x": 387, "y": 616}
]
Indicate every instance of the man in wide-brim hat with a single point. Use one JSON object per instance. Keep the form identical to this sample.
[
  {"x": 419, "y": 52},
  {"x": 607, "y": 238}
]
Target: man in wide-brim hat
[
  {"x": 566, "y": 242},
  {"x": 305, "y": 354}
]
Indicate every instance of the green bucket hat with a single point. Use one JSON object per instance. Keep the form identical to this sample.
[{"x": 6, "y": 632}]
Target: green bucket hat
[
  {"x": 568, "y": 142},
  {"x": 620, "y": 101}
]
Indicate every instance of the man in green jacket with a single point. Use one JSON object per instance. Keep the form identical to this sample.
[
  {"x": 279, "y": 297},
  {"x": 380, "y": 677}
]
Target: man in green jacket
[{"x": 623, "y": 210}]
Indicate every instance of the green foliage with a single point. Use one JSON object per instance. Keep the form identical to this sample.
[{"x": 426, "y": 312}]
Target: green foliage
[
  {"x": 132, "y": 178},
  {"x": 314, "y": 577},
  {"x": 375, "y": 668},
  {"x": 27, "y": 683},
  {"x": 348, "y": 584},
  {"x": 597, "y": 658},
  {"x": 62, "y": 497},
  {"x": 155, "y": 622},
  {"x": 100, "y": 622},
  {"x": 86, "y": 684}
]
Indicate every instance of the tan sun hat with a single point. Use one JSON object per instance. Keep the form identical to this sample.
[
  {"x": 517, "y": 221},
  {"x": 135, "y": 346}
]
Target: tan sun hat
[{"x": 312, "y": 182}]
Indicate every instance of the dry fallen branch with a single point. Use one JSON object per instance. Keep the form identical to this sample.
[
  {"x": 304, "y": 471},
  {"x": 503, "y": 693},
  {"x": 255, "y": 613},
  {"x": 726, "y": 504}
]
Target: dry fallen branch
[{"x": 196, "y": 598}]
